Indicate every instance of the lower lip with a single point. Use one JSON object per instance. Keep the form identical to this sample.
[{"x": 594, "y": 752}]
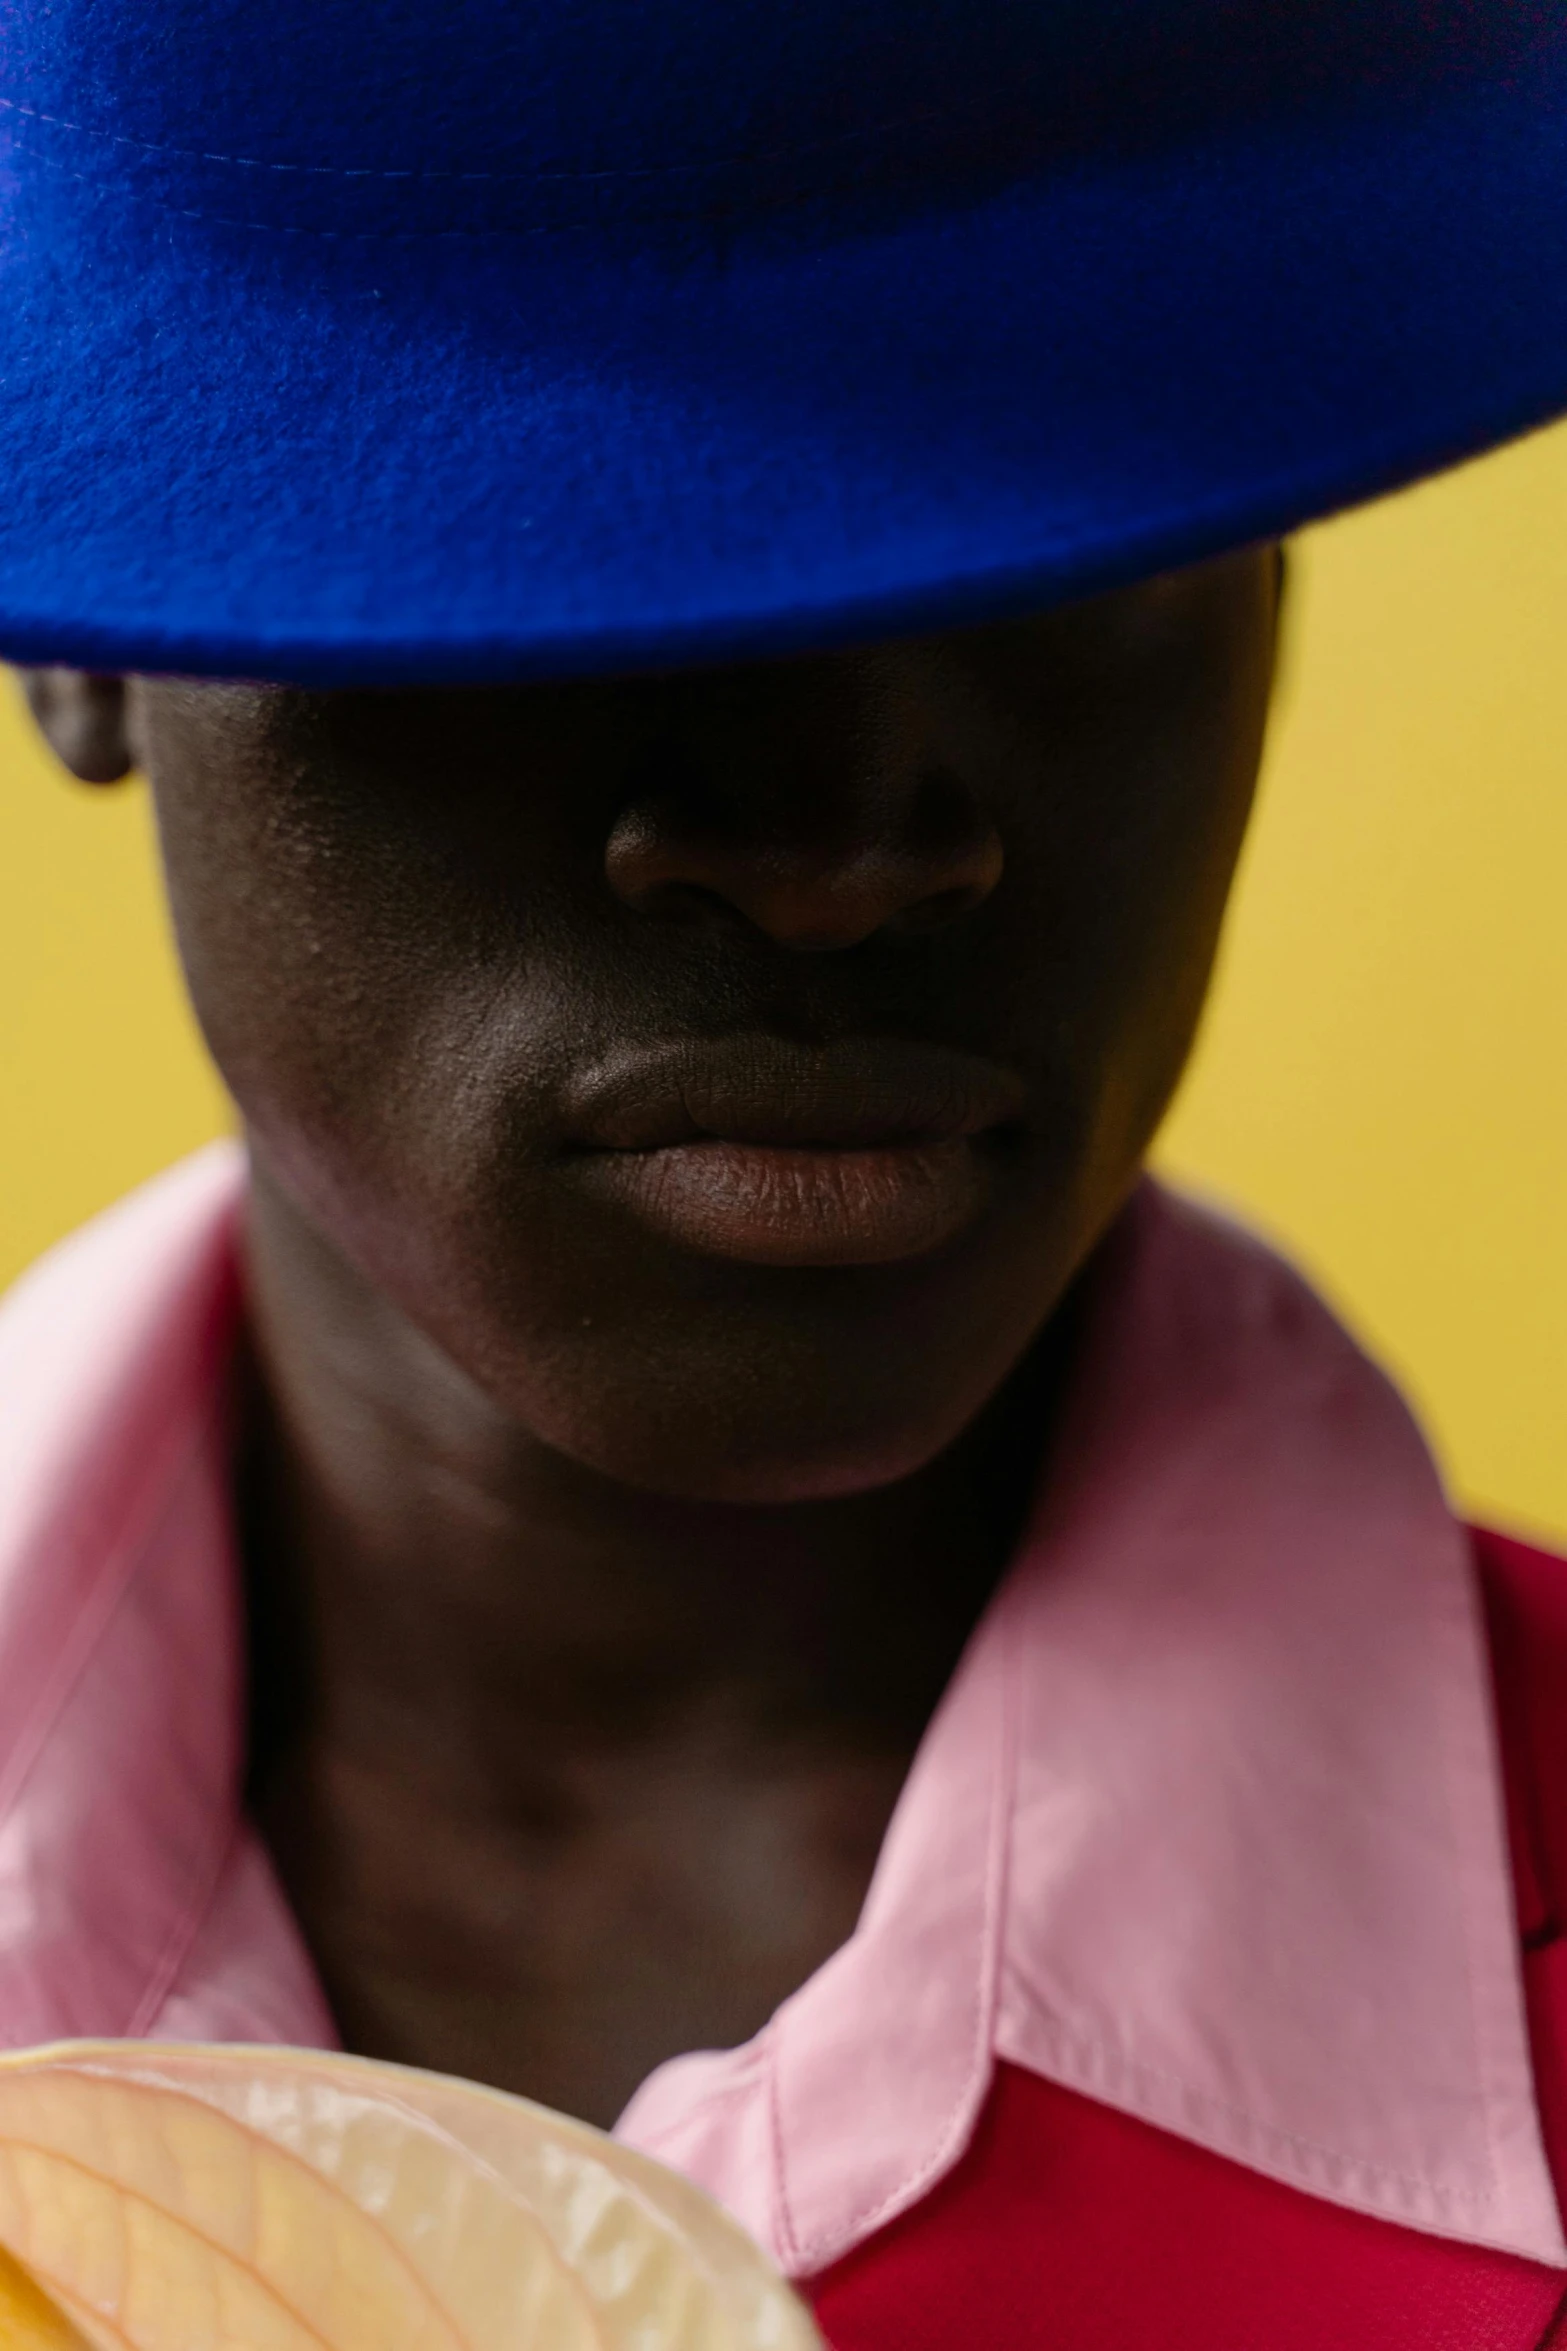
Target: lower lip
[{"x": 791, "y": 1206}]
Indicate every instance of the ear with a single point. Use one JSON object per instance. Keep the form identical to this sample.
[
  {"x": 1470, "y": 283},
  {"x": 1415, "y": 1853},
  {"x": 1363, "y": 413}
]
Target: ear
[{"x": 82, "y": 717}]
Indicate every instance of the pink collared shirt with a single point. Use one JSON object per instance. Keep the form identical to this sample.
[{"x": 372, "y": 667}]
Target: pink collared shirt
[{"x": 1208, "y": 1826}]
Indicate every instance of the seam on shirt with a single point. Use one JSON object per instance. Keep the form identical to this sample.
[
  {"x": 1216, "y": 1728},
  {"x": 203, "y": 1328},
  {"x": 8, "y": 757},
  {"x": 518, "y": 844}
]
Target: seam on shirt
[
  {"x": 789, "y": 2243},
  {"x": 230, "y": 1824},
  {"x": 958, "y": 2123},
  {"x": 161, "y": 1485},
  {"x": 1523, "y": 1770},
  {"x": 192, "y": 1914},
  {"x": 1114, "y": 2067},
  {"x": 1465, "y": 1624},
  {"x": 184, "y": 1933}
]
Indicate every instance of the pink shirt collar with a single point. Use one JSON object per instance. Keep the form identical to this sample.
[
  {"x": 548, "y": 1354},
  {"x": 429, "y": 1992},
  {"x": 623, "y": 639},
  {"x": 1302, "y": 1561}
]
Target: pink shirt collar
[{"x": 1208, "y": 1825}]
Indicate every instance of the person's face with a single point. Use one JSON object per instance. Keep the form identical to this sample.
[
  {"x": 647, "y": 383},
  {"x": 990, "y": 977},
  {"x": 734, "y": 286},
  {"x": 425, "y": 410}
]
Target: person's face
[{"x": 729, "y": 1069}]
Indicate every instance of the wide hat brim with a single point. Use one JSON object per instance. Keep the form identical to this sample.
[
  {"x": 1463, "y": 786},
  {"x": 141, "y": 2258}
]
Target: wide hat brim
[{"x": 269, "y": 450}]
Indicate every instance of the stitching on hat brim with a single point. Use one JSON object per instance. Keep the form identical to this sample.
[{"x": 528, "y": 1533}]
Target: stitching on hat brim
[{"x": 926, "y": 118}]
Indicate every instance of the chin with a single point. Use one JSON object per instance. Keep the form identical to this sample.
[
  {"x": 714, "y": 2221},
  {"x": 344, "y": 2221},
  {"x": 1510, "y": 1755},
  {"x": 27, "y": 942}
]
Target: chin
[
  {"x": 757, "y": 1433},
  {"x": 756, "y": 1470},
  {"x": 707, "y": 1382}
]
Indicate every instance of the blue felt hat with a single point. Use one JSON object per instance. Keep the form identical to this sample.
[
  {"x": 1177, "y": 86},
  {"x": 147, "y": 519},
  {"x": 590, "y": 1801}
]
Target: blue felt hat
[{"x": 358, "y": 340}]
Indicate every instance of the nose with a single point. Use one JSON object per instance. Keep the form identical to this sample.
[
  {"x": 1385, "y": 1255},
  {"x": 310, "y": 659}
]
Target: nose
[{"x": 845, "y": 839}]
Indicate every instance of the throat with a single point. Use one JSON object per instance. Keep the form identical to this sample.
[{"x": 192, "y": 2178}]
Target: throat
[
  {"x": 606, "y": 1910},
  {"x": 562, "y": 1782}
]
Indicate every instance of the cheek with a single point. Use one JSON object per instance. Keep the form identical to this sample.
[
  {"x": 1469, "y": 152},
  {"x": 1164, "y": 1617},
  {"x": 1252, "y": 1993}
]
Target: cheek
[
  {"x": 1120, "y": 892},
  {"x": 326, "y": 969},
  {"x": 392, "y": 1035}
]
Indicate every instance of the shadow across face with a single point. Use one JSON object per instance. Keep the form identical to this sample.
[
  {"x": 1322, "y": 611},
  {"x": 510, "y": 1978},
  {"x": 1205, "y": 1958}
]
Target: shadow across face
[{"x": 724, "y": 1072}]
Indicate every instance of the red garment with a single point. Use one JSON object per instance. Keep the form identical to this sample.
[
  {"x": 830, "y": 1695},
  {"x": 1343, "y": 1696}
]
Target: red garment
[{"x": 1070, "y": 2226}]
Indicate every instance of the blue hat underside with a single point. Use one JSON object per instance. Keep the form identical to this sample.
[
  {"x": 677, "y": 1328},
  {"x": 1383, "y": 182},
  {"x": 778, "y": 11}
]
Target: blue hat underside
[{"x": 319, "y": 428}]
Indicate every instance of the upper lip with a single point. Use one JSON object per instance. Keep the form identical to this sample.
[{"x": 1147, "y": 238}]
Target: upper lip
[{"x": 854, "y": 1093}]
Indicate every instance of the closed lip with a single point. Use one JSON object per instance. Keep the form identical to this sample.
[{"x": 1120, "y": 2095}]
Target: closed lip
[
  {"x": 861, "y": 1152},
  {"x": 851, "y": 1094}
]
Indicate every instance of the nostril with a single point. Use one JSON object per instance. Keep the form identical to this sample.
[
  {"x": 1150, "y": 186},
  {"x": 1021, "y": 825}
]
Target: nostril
[
  {"x": 683, "y": 903},
  {"x": 934, "y": 912},
  {"x": 646, "y": 870},
  {"x": 815, "y": 882}
]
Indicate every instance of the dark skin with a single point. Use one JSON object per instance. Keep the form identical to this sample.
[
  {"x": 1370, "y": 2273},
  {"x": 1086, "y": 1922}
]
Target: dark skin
[{"x": 607, "y": 1568}]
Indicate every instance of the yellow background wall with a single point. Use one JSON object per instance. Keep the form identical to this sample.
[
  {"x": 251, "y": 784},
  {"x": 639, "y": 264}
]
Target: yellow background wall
[{"x": 1381, "y": 1082}]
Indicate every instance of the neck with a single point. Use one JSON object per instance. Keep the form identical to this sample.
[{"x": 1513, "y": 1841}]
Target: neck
[
  {"x": 424, "y": 1543},
  {"x": 478, "y": 1634}
]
